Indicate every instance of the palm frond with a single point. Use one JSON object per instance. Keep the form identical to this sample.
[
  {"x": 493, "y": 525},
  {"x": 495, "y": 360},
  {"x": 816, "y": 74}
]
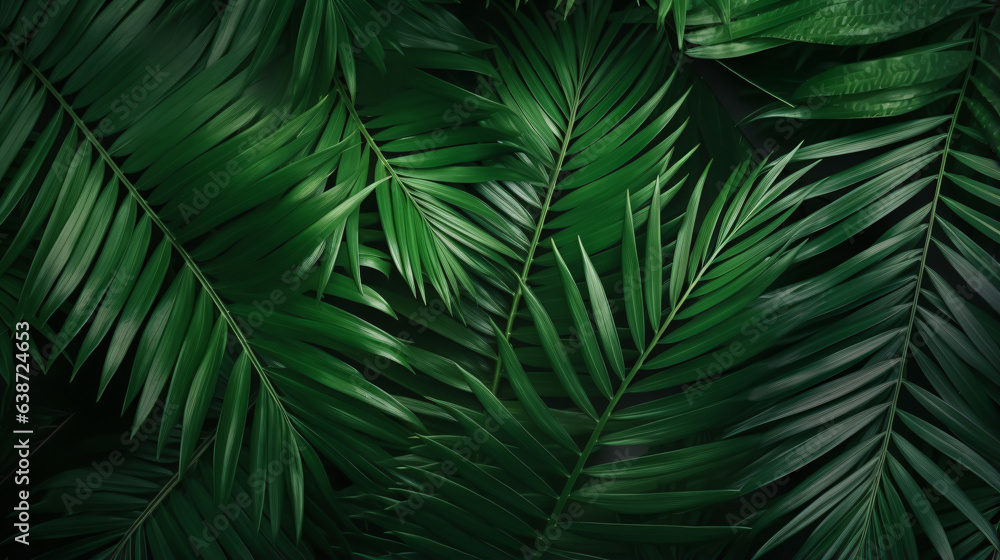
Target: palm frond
[
  {"x": 888, "y": 401},
  {"x": 412, "y": 278}
]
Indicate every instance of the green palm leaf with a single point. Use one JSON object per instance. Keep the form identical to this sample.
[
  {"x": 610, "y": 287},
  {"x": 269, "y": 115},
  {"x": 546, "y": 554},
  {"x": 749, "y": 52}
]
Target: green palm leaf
[
  {"x": 434, "y": 281},
  {"x": 893, "y": 369}
]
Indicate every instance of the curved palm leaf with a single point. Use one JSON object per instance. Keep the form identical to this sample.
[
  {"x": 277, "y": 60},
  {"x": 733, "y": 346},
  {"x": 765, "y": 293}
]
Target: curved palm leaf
[
  {"x": 606, "y": 360},
  {"x": 888, "y": 402},
  {"x": 588, "y": 118},
  {"x": 113, "y": 518},
  {"x": 161, "y": 262},
  {"x": 560, "y": 500}
]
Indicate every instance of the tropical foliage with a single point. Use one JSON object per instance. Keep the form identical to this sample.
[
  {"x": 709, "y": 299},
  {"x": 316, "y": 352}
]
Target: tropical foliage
[{"x": 582, "y": 279}]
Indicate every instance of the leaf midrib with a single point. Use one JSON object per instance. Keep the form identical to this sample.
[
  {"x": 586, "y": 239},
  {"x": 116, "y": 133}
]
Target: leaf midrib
[
  {"x": 376, "y": 149},
  {"x": 916, "y": 294},
  {"x": 606, "y": 415},
  {"x": 529, "y": 258},
  {"x": 161, "y": 496},
  {"x": 189, "y": 262}
]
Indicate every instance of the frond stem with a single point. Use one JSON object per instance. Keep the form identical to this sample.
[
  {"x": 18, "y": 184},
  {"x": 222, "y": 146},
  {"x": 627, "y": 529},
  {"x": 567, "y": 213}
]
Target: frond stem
[
  {"x": 188, "y": 261},
  {"x": 381, "y": 157},
  {"x": 916, "y": 295},
  {"x": 603, "y": 420},
  {"x": 550, "y": 191}
]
